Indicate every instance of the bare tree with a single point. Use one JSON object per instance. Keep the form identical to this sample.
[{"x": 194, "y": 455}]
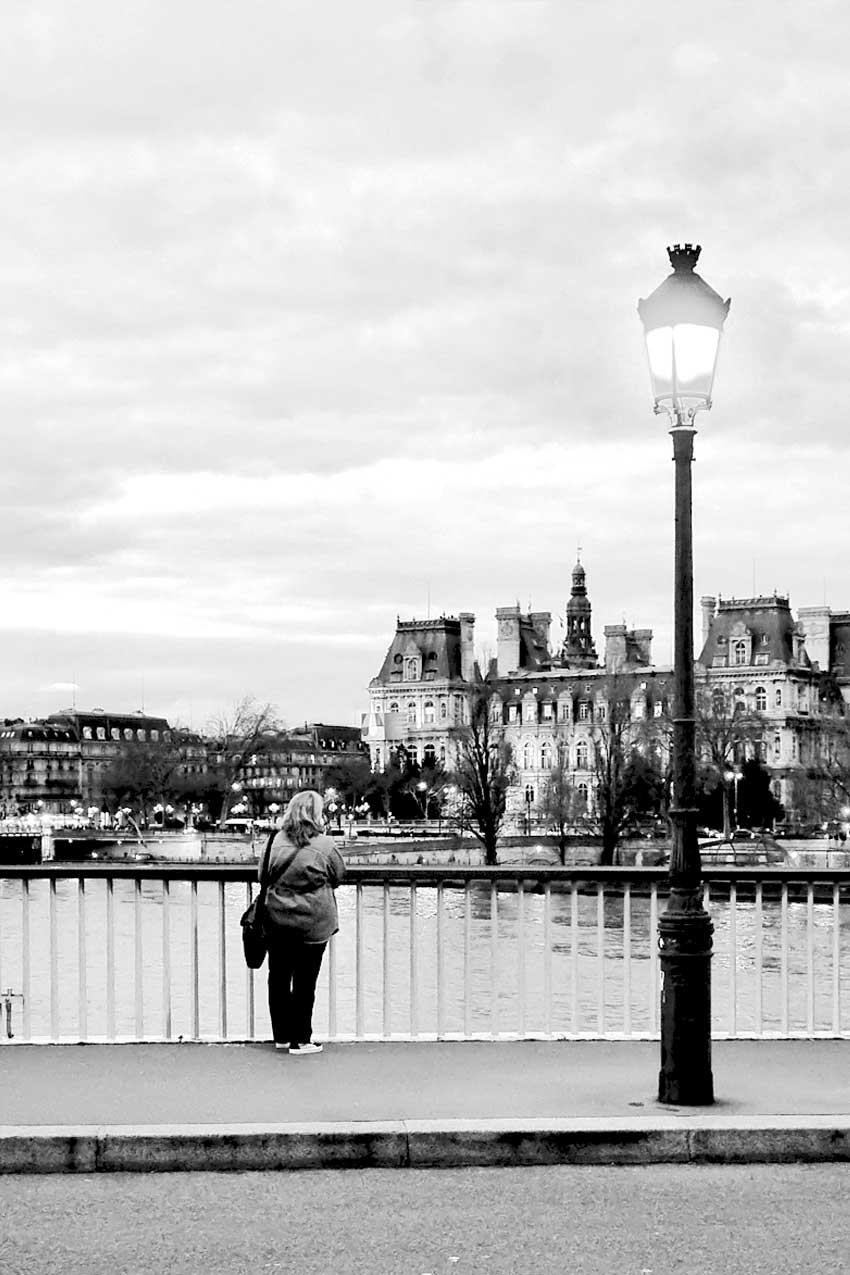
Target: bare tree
[
  {"x": 144, "y": 773},
  {"x": 725, "y": 726},
  {"x": 484, "y": 769},
  {"x": 562, "y": 803},
  {"x": 822, "y": 789},
  {"x": 249, "y": 729}
]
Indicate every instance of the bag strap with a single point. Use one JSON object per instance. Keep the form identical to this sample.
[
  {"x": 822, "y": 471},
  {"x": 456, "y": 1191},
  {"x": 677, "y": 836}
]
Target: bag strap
[{"x": 264, "y": 870}]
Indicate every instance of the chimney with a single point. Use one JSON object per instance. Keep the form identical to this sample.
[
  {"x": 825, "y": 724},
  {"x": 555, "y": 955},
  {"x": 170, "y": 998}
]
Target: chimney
[
  {"x": 615, "y": 647},
  {"x": 642, "y": 639},
  {"x": 541, "y": 622},
  {"x": 467, "y": 645},
  {"x": 507, "y": 640},
  {"x": 708, "y": 605}
]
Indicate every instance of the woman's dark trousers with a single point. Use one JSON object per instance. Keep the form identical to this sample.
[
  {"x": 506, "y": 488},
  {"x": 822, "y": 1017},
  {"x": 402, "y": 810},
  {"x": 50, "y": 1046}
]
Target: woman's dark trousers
[{"x": 293, "y": 971}]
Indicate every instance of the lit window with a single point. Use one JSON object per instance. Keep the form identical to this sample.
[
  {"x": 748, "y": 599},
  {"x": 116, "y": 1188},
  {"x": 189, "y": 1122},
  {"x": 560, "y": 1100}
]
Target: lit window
[
  {"x": 583, "y": 711},
  {"x": 428, "y": 712},
  {"x": 128, "y": 734},
  {"x": 657, "y": 709},
  {"x": 546, "y": 756},
  {"x": 581, "y": 755},
  {"x": 154, "y": 735},
  {"x": 115, "y": 733},
  {"x": 547, "y": 711},
  {"x": 528, "y": 757},
  {"x": 411, "y": 714}
]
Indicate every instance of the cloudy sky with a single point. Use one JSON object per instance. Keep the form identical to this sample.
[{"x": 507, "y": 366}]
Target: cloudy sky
[{"x": 315, "y": 314}]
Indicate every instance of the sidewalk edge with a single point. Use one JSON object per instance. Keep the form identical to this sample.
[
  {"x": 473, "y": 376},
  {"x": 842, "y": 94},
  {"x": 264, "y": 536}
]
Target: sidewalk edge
[{"x": 418, "y": 1144}]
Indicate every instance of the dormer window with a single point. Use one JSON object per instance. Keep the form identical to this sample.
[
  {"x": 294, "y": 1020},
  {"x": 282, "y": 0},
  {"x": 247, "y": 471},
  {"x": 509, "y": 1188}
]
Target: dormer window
[
  {"x": 739, "y": 651},
  {"x": 411, "y": 669}
]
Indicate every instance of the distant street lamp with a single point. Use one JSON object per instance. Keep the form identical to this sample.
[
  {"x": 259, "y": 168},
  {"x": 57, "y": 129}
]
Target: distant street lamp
[
  {"x": 733, "y": 777},
  {"x": 529, "y": 798},
  {"x": 422, "y": 789},
  {"x": 682, "y": 320}
]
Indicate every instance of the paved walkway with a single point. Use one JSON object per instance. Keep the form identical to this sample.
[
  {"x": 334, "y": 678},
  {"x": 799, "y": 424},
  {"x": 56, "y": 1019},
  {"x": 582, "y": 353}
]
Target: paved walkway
[{"x": 99, "y": 1107}]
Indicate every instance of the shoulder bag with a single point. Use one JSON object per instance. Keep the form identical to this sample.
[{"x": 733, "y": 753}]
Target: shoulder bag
[{"x": 254, "y": 942}]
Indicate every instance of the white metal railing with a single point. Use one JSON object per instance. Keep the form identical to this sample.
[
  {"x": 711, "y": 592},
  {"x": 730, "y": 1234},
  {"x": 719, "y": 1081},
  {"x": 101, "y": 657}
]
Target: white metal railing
[{"x": 102, "y": 952}]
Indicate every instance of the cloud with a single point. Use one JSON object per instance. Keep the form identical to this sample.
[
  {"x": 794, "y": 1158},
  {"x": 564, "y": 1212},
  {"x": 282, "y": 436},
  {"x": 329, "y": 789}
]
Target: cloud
[{"x": 305, "y": 319}]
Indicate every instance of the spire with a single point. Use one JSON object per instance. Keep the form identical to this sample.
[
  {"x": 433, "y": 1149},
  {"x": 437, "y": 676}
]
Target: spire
[{"x": 578, "y": 650}]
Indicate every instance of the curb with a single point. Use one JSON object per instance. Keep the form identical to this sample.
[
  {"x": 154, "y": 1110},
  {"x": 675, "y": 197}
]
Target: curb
[{"x": 422, "y": 1144}]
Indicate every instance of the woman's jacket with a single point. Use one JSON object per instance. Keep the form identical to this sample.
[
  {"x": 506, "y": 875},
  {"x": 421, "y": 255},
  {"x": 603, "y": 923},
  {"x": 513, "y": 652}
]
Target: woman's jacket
[{"x": 300, "y": 897}]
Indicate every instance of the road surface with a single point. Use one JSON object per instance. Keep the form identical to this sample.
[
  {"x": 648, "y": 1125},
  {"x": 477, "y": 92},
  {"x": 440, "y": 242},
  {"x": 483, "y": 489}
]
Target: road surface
[{"x": 655, "y": 1220}]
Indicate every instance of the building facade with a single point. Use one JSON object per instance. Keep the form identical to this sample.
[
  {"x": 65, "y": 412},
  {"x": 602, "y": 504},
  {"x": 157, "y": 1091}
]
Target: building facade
[{"x": 553, "y": 701}]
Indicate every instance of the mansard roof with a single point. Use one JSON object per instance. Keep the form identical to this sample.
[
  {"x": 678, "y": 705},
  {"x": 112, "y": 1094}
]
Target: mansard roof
[
  {"x": 766, "y": 621},
  {"x": 436, "y": 641},
  {"x": 76, "y": 720}
]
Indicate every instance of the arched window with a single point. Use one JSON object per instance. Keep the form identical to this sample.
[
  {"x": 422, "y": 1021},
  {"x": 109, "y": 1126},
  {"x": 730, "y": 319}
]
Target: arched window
[
  {"x": 739, "y": 652},
  {"x": 581, "y": 755},
  {"x": 394, "y": 706},
  {"x": 777, "y": 746},
  {"x": 528, "y": 756},
  {"x": 761, "y": 699},
  {"x": 430, "y": 755},
  {"x": 546, "y": 756},
  {"x": 444, "y": 709},
  {"x": 581, "y": 793},
  {"x": 778, "y": 697},
  {"x": 428, "y": 715},
  {"x": 411, "y": 714}
]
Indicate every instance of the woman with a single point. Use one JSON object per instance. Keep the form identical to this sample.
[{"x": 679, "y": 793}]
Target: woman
[{"x": 300, "y": 916}]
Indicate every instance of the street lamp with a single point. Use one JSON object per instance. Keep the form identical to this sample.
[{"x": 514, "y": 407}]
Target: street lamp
[
  {"x": 529, "y": 798},
  {"x": 682, "y": 320},
  {"x": 422, "y": 789},
  {"x": 733, "y": 777}
]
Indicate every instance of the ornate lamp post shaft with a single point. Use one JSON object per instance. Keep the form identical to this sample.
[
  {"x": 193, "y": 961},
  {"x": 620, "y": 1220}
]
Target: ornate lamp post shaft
[{"x": 684, "y": 928}]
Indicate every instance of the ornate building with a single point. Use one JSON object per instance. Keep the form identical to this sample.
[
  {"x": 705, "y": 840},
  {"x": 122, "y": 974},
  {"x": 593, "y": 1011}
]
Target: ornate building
[{"x": 554, "y": 702}]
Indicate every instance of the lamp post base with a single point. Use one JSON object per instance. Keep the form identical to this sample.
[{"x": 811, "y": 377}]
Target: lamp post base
[{"x": 684, "y": 942}]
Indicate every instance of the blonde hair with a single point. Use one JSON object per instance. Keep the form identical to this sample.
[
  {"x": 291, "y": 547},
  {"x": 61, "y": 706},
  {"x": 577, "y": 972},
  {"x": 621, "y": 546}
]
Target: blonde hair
[{"x": 302, "y": 819}]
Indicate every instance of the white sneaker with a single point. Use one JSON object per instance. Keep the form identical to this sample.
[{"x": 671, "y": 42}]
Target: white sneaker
[{"x": 309, "y": 1048}]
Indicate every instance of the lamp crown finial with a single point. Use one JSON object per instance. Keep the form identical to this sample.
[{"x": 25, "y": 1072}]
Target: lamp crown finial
[{"x": 684, "y": 256}]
